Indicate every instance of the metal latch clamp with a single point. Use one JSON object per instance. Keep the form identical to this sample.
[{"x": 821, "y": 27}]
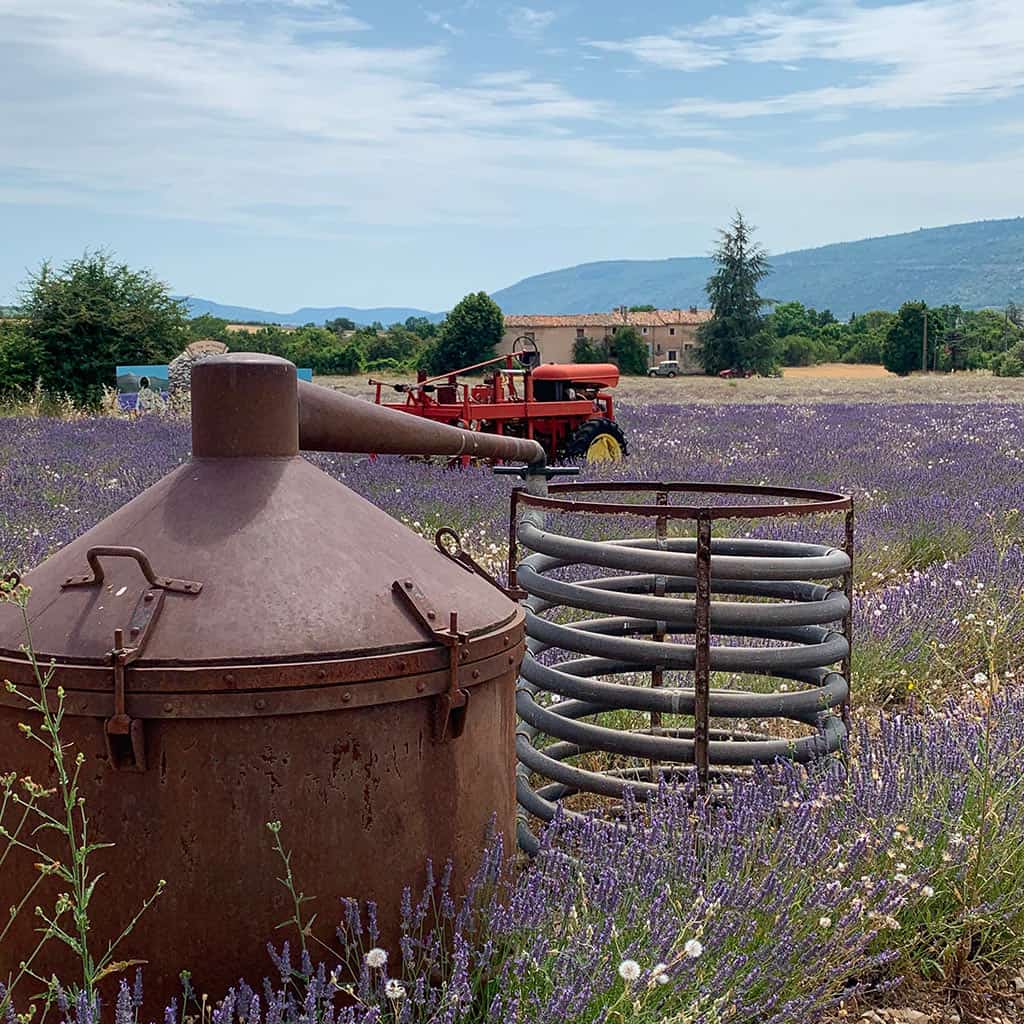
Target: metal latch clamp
[
  {"x": 452, "y": 706},
  {"x": 125, "y": 736}
]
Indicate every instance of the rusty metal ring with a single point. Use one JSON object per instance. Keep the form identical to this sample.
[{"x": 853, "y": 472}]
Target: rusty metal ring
[{"x": 447, "y": 533}]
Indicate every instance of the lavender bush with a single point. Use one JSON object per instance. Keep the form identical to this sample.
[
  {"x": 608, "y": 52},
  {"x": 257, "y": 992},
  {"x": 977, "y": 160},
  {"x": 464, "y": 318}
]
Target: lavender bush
[{"x": 805, "y": 889}]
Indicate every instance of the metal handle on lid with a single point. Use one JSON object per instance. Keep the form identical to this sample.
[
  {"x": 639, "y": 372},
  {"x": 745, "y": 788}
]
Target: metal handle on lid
[{"x": 92, "y": 556}]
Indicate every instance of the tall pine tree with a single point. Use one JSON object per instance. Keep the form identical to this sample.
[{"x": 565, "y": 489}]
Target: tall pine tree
[{"x": 734, "y": 337}]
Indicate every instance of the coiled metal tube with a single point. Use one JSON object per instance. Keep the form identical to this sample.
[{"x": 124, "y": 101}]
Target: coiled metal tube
[{"x": 636, "y": 627}]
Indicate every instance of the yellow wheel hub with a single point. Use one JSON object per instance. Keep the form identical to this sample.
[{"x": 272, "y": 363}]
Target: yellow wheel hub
[{"x": 604, "y": 448}]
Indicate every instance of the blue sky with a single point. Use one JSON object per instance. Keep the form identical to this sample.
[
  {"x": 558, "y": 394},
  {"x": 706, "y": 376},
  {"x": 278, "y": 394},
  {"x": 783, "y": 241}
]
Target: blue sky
[{"x": 280, "y": 153}]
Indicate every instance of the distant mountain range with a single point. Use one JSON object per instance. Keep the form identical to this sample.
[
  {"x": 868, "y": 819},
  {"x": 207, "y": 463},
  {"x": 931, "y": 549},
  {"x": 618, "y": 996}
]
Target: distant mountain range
[
  {"x": 307, "y": 315},
  {"x": 976, "y": 265}
]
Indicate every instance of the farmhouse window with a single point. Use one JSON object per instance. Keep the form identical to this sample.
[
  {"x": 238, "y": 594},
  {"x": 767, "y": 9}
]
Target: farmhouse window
[
  {"x": 673, "y": 355},
  {"x": 579, "y": 332},
  {"x": 643, "y": 329},
  {"x": 672, "y": 331}
]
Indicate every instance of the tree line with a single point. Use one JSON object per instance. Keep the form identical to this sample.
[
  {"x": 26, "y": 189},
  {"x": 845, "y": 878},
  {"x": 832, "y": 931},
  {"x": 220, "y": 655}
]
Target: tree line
[
  {"x": 749, "y": 332},
  {"x": 77, "y": 323}
]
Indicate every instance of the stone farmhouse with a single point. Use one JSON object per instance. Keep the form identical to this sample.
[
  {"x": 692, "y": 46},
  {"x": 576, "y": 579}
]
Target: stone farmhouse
[{"x": 669, "y": 333}]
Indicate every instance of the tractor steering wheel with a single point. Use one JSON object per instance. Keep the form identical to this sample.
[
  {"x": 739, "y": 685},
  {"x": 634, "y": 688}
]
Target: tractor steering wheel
[{"x": 524, "y": 348}]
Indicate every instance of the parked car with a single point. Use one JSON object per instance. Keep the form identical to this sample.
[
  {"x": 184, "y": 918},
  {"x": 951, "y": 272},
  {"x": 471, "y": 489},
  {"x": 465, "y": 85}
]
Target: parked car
[
  {"x": 666, "y": 368},
  {"x": 735, "y": 372}
]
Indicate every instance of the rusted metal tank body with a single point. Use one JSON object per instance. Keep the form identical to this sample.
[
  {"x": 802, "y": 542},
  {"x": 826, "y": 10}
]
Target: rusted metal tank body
[{"x": 296, "y": 654}]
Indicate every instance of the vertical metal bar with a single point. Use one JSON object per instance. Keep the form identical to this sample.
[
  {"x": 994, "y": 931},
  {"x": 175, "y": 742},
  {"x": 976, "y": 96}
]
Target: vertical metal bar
[
  {"x": 848, "y": 619},
  {"x": 513, "y": 549},
  {"x": 702, "y": 667},
  {"x": 660, "y": 583}
]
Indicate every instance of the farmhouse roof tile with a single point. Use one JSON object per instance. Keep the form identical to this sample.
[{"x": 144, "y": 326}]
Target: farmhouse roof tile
[{"x": 652, "y": 318}]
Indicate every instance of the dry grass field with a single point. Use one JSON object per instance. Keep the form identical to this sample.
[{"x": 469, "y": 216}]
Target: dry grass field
[{"x": 832, "y": 382}]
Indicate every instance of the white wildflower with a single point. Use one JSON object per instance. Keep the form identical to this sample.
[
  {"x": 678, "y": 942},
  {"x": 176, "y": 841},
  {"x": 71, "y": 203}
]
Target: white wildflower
[
  {"x": 825, "y": 922},
  {"x": 927, "y": 892},
  {"x": 693, "y": 948},
  {"x": 629, "y": 970},
  {"x": 377, "y": 958},
  {"x": 980, "y": 679},
  {"x": 394, "y": 989}
]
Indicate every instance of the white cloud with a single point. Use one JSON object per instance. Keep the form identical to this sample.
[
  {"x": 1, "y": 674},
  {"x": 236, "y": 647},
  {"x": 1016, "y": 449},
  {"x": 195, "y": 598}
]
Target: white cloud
[
  {"x": 188, "y": 110},
  {"x": 529, "y": 21},
  {"x": 902, "y": 55},
  {"x": 675, "y": 52},
  {"x": 170, "y": 110},
  {"x": 438, "y": 19},
  {"x": 862, "y": 141}
]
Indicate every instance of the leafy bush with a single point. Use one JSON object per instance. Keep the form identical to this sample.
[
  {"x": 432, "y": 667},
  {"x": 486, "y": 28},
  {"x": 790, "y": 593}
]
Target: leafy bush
[
  {"x": 629, "y": 351},
  {"x": 866, "y": 349},
  {"x": 340, "y": 360},
  {"x": 207, "y": 326},
  {"x": 21, "y": 359},
  {"x": 799, "y": 350},
  {"x": 1010, "y": 363},
  {"x": 93, "y": 314},
  {"x": 586, "y": 350}
]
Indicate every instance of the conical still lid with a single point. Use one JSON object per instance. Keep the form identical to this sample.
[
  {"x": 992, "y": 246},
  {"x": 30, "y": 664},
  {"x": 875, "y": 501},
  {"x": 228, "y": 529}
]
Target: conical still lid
[
  {"x": 282, "y": 561},
  {"x": 292, "y": 564}
]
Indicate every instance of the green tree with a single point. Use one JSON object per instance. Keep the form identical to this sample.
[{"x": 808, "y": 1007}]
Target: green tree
[
  {"x": 421, "y": 325},
  {"x": 396, "y": 346},
  {"x": 790, "y": 318},
  {"x": 864, "y": 336},
  {"x": 340, "y": 324},
  {"x": 1010, "y": 363},
  {"x": 94, "y": 313},
  {"x": 207, "y": 326},
  {"x": 468, "y": 335},
  {"x": 629, "y": 351},
  {"x": 734, "y": 336},
  {"x": 586, "y": 350},
  {"x": 905, "y": 339},
  {"x": 21, "y": 358},
  {"x": 799, "y": 350}
]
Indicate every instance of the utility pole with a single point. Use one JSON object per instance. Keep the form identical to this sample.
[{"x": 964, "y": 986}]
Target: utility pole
[{"x": 924, "y": 343}]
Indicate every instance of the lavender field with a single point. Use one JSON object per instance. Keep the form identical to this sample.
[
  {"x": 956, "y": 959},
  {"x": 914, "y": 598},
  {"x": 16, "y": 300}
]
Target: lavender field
[
  {"x": 892, "y": 875},
  {"x": 935, "y": 488}
]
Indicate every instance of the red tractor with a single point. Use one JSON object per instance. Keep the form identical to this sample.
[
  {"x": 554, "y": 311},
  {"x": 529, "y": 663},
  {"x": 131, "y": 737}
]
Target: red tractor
[{"x": 567, "y": 407}]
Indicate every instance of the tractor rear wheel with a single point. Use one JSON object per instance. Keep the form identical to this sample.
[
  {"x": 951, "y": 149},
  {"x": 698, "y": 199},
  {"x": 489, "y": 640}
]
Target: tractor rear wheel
[{"x": 597, "y": 440}]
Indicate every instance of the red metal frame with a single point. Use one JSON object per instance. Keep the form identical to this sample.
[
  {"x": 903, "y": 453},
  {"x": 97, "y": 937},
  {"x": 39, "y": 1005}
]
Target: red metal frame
[{"x": 495, "y": 403}]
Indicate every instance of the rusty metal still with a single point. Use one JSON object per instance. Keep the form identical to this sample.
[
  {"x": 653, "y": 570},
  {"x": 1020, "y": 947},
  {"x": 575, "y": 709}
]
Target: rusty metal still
[{"x": 249, "y": 640}]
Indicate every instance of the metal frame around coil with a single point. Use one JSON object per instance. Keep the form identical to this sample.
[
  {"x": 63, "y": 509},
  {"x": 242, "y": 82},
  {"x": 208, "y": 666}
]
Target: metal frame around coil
[{"x": 664, "y": 587}]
